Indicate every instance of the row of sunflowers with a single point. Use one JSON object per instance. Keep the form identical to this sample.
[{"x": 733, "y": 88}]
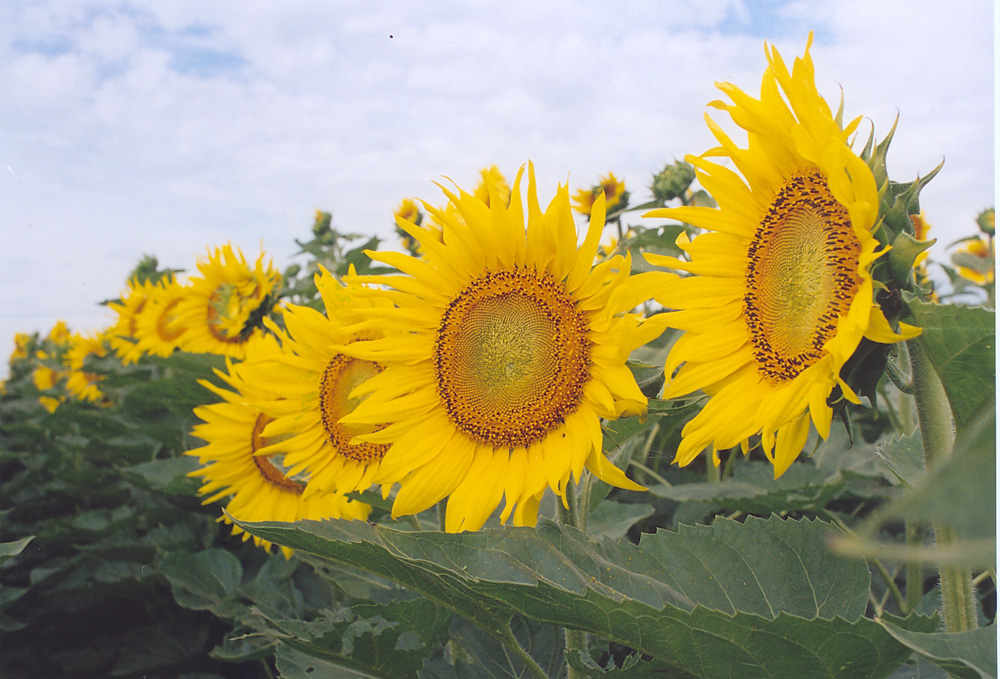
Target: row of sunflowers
[{"x": 519, "y": 364}]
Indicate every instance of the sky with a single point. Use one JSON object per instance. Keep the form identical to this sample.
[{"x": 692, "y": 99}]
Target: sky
[{"x": 131, "y": 127}]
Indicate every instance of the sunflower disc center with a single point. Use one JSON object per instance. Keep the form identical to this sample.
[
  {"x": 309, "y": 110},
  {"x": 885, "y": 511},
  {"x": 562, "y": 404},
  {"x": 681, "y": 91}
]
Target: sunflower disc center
[
  {"x": 229, "y": 307},
  {"x": 802, "y": 274},
  {"x": 340, "y": 377},
  {"x": 264, "y": 464},
  {"x": 512, "y": 357},
  {"x": 166, "y": 325}
]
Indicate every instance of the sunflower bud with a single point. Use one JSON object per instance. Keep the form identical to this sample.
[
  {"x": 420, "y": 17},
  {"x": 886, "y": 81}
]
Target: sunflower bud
[
  {"x": 321, "y": 224},
  {"x": 672, "y": 181},
  {"x": 986, "y": 220}
]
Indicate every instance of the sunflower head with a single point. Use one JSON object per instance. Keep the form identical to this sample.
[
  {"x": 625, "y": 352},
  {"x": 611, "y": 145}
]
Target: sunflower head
[
  {"x": 503, "y": 350},
  {"x": 779, "y": 290},
  {"x": 123, "y": 335},
  {"x": 158, "y": 329},
  {"x": 22, "y": 347},
  {"x": 613, "y": 191},
  {"x": 320, "y": 385},
  {"x": 223, "y": 307},
  {"x": 242, "y": 462}
]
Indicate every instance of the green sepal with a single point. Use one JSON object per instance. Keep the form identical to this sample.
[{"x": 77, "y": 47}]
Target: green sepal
[{"x": 904, "y": 253}]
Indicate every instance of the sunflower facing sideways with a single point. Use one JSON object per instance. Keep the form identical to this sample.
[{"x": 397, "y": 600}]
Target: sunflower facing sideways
[
  {"x": 222, "y": 307},
  {"x": 780, "y": 292},
  {"x": 316, "y": 380},
  {"x": 123, "y": 335},
  {"x": 235, "y": 464},
  {"x": 503, "y": 352}
]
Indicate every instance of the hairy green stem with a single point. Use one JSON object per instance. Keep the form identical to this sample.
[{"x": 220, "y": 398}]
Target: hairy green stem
[
  {"x": 958, "y": 603},
  {"x": 572, "y": 515},
  {"x": 650, "y": 473},
  {"x": 510, "y": 641},
  {"x": 914, "y": 571}
]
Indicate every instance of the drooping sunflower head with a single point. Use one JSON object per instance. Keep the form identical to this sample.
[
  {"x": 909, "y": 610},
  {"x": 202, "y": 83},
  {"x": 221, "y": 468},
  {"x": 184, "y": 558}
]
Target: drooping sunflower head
[
  {"x": 504, "y": 349},
  {"x": 780, "y": 292},
  {"x": 241, "y": 462},
  {"x": 223, "y": 307}
]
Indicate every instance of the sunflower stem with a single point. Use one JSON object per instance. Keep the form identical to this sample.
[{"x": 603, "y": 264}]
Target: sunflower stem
[
  {"x": 510, "y": 641},
  {"x": 650, "y": 473},
  {"x": 914, "y": 570},
  {"x": 570, "y": 514},
  {"x": 442, "y": 512},
  {"x": 958, "y": 603}
]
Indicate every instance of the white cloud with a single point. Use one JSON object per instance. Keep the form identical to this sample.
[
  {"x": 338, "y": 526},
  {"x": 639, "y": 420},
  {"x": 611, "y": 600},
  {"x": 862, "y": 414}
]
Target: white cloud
[{"x": 137, "y": 127}]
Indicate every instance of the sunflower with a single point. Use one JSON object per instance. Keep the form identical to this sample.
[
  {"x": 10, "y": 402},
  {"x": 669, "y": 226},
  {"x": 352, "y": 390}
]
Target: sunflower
[
  {"x": 615, "y": 195},
  {"x": 781, "y": 289},
  {"x": 236, "y": 466},
  {"x": 123, "y": 335},
  {"x": 980, "y": 252},
  {"x": 59, "y": 334},
  {"x": 492, "y": 177},
  {"x": 22, "y": 342},
  {"x": 79, "y": 383},
  {"x": 157, "y": 329},
  {"x": 316, "y": 383},
  {"x": 222, "y": 308},
  {"x": 505, "y": 350}
]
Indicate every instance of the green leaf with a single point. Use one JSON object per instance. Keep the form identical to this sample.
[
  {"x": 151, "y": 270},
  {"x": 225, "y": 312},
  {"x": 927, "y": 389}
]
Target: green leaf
[
  {"x": 961, "y": 344},
  {"x": 614, "y": 519},
  {"x": 633, "y": 667},
  {"x": 9, "y": 550},
  {"x": 753, "y": 489},
  {"x": 477, "y": 655},
  {"x": 960, "y": 492},
  {"x": 968, "y": 655},
  {"x": 764, "y": 596},
  {"x": 204, "y": 580},
  {"x": 904, "y": 456},
  {"x": 168, "y": 476}
]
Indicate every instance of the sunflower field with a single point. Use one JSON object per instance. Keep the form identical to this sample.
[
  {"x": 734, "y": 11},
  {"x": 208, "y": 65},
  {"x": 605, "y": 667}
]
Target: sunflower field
[{"x": 745, "y": 428}]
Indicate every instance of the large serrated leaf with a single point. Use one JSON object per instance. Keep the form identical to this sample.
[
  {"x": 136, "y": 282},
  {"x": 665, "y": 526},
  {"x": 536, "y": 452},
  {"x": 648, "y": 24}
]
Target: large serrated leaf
[
  {"x": 961, "y": 344},
  {"x": 969, "y": 655},
  {"x": 764, "y": 597}
]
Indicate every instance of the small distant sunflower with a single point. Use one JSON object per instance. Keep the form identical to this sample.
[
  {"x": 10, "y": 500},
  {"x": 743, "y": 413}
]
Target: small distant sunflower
[
  {"x": 980, "y": 252},
  {"x": 316, "y": 384},
  {"x": 80, "y": 383},
  {"x": 506, "y": 349},
  {"x": 235, "y": 466},
  {"x": 123, "y": 335},
  {"x": 408, "y": 212},
  {"x": 45, "y": 377},
  {"x": 59, "y": 334},
  {"x": 222, "y": 308},
  {"x": 615, "y": 195},
  {"x": 492, "y": 177},
  {"x": 22, "y": 343},
  {"x": 781, "y": 289},
  {"x": 158, "y": 330}
]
